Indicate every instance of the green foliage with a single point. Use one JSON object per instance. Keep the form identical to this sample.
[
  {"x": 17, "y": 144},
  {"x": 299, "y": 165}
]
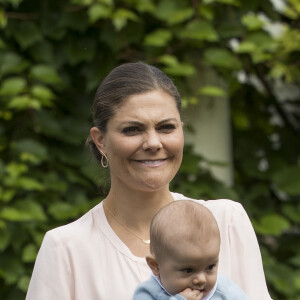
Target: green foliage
[{"x": 53, "y": 54}]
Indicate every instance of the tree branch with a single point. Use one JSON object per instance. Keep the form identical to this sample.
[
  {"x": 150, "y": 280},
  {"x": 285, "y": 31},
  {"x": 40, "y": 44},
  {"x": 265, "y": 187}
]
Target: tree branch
[{"x": 259, "y": 73}]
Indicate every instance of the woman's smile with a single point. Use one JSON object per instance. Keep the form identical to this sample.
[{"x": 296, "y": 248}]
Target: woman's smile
[{"x": 152, "y": 163}]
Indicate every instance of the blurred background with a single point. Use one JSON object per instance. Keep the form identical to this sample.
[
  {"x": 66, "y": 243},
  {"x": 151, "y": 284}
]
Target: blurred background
[{"x": 236, "y": 64}]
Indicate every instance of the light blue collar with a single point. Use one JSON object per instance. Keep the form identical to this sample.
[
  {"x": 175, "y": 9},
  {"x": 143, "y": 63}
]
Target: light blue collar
[{"x": 206, "y": 297}]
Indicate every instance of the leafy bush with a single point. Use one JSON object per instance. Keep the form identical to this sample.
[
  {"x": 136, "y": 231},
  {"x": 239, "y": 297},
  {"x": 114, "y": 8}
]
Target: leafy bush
[{"x": 53, "y": 54}]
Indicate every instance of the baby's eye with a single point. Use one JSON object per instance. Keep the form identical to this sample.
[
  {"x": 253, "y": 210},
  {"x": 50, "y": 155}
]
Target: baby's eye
[
  {"x": 187, "y": 270},
  {"x": 211, "y": 267},
  {"x": 130, "y": 130}
]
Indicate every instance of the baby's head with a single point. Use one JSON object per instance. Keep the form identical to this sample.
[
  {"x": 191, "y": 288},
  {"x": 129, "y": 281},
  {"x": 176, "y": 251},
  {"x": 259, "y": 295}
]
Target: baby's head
[{"x": 185, "y": 245}]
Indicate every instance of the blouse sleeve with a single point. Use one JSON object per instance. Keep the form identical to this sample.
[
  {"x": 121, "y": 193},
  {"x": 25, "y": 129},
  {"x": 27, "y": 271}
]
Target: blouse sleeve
[
  {"x": 240, "y": 257},
  {"x": 51, "y": 278},
  {"x": 246, "y": 267}
]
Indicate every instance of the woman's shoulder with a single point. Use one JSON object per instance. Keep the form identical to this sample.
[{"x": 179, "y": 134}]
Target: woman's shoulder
[
  {"x": 225, "y": 209},
  {"x": 214, "y": 204},
  {"x": 77, "y": 230}
]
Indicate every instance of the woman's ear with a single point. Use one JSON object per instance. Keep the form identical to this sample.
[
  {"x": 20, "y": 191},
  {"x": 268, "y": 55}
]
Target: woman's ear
[
  {"x": 152, "y": 263},
  {"x": 98, "y": 138}
]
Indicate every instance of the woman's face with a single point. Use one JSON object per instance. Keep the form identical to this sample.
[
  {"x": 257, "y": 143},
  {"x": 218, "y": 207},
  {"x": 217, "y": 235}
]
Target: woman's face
[{"x": 143, "y": 142}]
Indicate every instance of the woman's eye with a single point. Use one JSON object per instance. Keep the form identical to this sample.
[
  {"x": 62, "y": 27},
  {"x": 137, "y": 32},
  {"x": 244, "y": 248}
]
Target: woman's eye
[
  {"x": 187, "y": 270},
  {"x": 131, "y": 130},
  {"x": 167, "y": 127}
]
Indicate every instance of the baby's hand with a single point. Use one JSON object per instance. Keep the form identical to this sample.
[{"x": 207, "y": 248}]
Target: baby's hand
[{"x": 190, "y": 294}]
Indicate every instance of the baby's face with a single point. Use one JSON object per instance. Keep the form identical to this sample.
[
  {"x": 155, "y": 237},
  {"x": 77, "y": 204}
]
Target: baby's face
[{"x": 190, "y": 266}]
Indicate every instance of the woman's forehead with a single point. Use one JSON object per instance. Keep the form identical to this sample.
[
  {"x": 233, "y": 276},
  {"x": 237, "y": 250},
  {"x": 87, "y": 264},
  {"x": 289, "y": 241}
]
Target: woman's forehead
[{"x": 151, "y": 104}]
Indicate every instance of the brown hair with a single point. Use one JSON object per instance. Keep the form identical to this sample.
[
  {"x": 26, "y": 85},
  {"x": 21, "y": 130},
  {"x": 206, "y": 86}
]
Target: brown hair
[
  {"x": 122, "y": 82},
  {"x": 181, "y": 219}
]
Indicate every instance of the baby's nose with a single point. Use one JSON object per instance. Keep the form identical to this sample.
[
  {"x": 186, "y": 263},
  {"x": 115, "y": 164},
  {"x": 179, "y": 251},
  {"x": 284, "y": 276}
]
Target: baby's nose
[{"x": 199, "y": 278}]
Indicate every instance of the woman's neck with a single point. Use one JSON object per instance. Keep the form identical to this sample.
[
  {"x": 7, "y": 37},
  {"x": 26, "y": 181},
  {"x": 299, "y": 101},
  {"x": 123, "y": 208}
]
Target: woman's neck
[
  {"x": 131, "y": 211},
  {"x": 137, "y": 208}
]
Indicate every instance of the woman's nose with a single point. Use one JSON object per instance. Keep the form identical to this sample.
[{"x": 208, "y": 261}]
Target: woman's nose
[
  {"x": 152, "y": 141},
  {"x": 199, "y": 278}
]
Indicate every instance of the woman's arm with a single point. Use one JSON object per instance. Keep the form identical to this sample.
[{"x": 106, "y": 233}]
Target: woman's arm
[
  {"x": 243, "y": 253},
  {"x": 240, "y": 257}
]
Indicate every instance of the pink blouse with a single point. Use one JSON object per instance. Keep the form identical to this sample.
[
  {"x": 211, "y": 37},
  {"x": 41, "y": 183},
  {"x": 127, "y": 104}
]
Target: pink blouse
[{"x": 86, "y": 259}]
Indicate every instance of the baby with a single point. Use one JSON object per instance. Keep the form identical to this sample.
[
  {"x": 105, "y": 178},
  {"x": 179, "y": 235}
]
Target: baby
[{"x": 185, "y": 245}]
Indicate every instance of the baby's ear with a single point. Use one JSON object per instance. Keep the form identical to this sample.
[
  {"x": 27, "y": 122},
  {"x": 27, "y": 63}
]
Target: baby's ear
[{"x": 152, "y": 263}]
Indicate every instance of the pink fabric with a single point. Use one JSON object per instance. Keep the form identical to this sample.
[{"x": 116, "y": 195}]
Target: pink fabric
[{"x": 87, "y": 260}]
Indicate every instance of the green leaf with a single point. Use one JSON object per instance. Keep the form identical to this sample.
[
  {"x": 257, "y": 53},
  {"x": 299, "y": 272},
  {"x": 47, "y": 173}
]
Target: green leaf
[
  {"x": 158, "y": 38},
  {"x": 29, "y": 253},
  {"x": 174, "y": 67},
  {"x": 16, "y": 169},
  {"x": 213, "y": 91},
  {"x": 122, "y": 16},
  {"x": 43, "y": 93},
  {"x": 62, "y": 211},
  {"x": 199, "y": 30},
  {"x": 45, "y": 74},
  {"x": 29, "y": 184},
  {"x": 181, "y": 69},
  {"x": 287, "y": 180},
  {"x": 145, "y": 6},
  {"x": 241, "y": 120},
  {"x": 3, "y": 19},
  {"x": 246, "y": 47},
  {"x": 23, "y": 283},
  {"x": 4, "y": 238},
  {"x": 26, "y": 210},
  {"x": 221, "y": 58},
  {"x": 262, "y": 41},
  {"x": 53, "y": 182},
  {"x": 15, "y": 3},
  {"x": 292, "y": 212},
  {"x": 11, "y": 63},
  {"x": 24, "y": 102},
  {"x": 27, "y": 34},
  {"x": 173, "y": 12},
  {"x": 252, "y": 21},
  {"x": 33, "y": 147},
  {"x": 169, "y": 60},
  {"x": 7, "y": 195},
  {"x": 180, "y": 16},
  {"x": 230, "y": 2},
  {"x": 98, "y": 11},
  {"x": 165, "y": 9},
  {"x": 12, "y": 86},
  {"x": 271, "y": 224}
]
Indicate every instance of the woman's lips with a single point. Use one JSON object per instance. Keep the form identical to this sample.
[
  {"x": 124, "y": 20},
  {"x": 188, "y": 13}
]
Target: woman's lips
[{"x": 156, "y": 162}]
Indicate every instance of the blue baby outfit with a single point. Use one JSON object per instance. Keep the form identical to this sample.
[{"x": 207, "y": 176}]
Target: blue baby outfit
[{"x": 226, "y": 289}]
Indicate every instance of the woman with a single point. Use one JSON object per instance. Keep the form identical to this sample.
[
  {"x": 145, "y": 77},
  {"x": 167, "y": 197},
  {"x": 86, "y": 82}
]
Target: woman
[{"x": 138, "y": 135}]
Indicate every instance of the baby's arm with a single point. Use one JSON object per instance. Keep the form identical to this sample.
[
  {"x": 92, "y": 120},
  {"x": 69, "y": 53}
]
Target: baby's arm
[{"x": 190, "y": 294}]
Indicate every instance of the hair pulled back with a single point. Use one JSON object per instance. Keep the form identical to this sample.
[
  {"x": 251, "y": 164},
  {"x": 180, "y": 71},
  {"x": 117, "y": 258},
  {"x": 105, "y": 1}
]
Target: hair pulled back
[{"x": 122, "y": 82}]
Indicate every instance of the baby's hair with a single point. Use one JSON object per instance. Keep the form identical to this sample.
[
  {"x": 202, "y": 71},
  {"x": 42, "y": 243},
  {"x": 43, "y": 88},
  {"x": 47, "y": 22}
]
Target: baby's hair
[{"x": 183, "y": 220}]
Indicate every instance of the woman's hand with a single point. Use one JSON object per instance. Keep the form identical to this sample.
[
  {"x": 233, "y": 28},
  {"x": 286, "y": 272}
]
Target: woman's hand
[{"x": 190, "y": 294}]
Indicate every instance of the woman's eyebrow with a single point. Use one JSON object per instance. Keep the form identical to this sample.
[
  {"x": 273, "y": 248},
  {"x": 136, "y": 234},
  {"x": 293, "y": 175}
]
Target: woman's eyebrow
[
  {"x": 142, "y": 124},
  {"x": 167, "y": 120},
  {"x": 132, "y": 123}
]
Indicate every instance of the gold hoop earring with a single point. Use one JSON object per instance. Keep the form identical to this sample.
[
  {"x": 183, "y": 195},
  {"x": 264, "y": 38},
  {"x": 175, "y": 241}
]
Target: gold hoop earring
[{"x": 104, "y": 160}]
